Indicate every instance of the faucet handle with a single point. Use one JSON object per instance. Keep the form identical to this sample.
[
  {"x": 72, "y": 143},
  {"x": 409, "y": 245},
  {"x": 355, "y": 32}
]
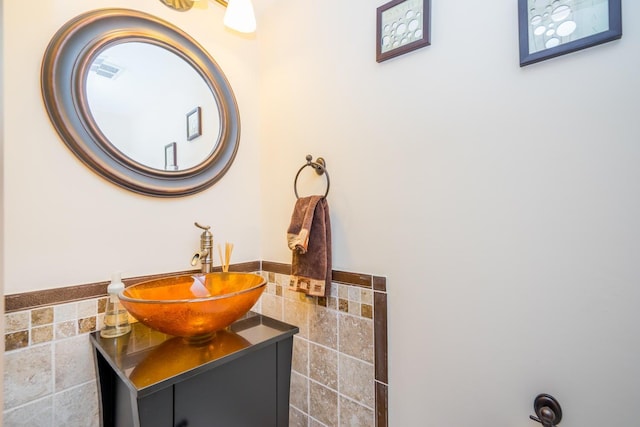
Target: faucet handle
[{"x": 204, "y": 227}]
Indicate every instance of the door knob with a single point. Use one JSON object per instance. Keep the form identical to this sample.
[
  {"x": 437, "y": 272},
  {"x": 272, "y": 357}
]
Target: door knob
[{"x": 547, "y": 409}]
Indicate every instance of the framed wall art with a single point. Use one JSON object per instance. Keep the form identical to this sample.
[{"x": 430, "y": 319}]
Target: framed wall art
[
  {"x": 171, "y": 157},
  {"x": 550, "y": 28},
  {"x": 194, "y": 124},
  {"x": 402, "y": 26}
]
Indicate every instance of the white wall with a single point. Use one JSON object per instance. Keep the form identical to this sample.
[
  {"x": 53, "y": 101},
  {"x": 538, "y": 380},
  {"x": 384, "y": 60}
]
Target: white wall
[
  {"x": 65, "y": 225},
  {"x": 501, "y": 202}
]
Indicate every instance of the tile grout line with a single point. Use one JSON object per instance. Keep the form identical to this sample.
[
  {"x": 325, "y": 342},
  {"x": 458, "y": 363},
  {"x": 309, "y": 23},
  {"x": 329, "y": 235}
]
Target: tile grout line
[
  {"x": 53, "y": 380},
  {"x": 339, "y": 394},
  {"x": 339, "y": 367}
]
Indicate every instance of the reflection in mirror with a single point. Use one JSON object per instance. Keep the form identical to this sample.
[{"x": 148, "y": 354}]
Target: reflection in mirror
[
  {"x": 138, "y": 119},
  {"x": 140, "y": 102}
]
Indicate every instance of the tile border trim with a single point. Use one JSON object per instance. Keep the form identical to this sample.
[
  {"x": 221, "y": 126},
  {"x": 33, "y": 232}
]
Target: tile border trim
[
  {"x": 376, "y": 283},
  {"x": 35, "y": 299}
]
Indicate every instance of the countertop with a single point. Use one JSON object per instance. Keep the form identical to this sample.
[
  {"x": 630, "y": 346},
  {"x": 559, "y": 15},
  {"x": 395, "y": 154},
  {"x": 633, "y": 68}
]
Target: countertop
[{"x": 148, "y": 361}]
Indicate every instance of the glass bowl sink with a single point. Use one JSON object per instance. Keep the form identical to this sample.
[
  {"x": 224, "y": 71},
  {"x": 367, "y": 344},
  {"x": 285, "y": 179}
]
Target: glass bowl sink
[{"x": 193, "y": 306}]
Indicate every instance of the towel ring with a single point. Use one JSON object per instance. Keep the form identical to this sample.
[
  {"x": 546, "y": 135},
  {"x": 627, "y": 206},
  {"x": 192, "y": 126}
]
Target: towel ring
[{"x": 319, "y": 166}]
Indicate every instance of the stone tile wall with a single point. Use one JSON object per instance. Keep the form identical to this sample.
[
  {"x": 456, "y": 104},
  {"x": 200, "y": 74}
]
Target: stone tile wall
[
  {"x": 338, "y": 374},
  {"x": 333, "y": 381},
  {"x": 49, "y": 374}
]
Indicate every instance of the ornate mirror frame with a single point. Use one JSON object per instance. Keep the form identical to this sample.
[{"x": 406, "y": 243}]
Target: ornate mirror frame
[{"x": 64, "y": 72}]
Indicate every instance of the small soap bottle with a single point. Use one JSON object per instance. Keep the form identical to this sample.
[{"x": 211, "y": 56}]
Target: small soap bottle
[{"x": 116, "y": 318}]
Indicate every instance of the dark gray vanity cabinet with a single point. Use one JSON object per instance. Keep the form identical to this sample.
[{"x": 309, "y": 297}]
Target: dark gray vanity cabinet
[{"x": 240, "y": 378}]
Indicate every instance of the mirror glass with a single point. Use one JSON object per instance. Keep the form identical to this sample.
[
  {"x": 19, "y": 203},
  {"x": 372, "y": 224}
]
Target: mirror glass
[
  {"x": 140, "y": 102},
  {"x": 138, "y": 119}
]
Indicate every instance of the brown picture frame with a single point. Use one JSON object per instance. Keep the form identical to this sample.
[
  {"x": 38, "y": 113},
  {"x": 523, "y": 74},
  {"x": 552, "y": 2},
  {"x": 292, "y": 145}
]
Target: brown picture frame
[{"x": 402, "y": 26}]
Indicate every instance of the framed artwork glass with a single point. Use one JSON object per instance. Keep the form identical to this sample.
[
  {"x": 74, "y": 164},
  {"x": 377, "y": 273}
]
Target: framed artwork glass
[
  {"x": 550, "y": 28},
  {"x": 402, "y": 26}
]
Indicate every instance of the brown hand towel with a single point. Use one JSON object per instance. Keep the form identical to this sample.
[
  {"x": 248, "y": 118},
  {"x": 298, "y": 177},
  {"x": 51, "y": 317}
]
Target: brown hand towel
[{"x": 309, "y": 237}]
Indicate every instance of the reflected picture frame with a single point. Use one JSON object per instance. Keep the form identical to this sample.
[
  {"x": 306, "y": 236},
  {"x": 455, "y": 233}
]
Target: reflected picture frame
[
  {"x": 552, "y": 28},
  {"x": 194, "y": 123},
  {"x": 402, "y": 26},
  {"x": 171, "y": 157}
]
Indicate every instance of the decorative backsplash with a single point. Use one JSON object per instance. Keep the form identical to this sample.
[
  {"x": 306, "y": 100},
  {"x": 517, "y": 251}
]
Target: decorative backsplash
[
  {"x": 339, "y": 371},
  {"x": 49, "y": 376}
]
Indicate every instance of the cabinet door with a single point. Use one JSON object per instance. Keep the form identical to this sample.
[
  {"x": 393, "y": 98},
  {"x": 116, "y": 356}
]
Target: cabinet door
[{"x": 241, "y": 393}]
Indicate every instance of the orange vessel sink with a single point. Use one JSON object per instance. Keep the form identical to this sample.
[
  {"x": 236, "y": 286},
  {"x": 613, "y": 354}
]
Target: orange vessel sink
[{"x": 193, "y": 306}]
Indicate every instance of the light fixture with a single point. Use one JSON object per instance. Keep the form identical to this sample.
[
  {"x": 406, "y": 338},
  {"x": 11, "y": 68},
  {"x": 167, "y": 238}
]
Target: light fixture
[{"x": 239, "y": 15}]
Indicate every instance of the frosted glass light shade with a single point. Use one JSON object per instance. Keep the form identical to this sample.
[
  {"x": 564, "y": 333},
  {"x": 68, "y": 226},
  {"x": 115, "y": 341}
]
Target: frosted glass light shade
[{"x": 240, "y": 16}]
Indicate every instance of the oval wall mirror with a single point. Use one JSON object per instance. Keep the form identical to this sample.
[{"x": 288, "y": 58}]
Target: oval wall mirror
[{"x": 140, "y": 102}]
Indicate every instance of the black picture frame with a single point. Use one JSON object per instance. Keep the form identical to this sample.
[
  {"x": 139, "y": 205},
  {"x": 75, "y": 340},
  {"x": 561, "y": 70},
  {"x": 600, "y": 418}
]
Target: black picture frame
[
  {"x": 531, "y": 23},
  {"x": 194, "y": 123},
  {"x": 412, "y": 17}
]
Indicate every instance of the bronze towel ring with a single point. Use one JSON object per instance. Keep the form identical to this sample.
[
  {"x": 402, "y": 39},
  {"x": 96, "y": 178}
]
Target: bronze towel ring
[{"x": 319, "y": 166}]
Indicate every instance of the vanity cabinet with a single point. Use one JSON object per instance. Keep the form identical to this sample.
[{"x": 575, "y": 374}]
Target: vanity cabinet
[{"x": 239, "y": 378}]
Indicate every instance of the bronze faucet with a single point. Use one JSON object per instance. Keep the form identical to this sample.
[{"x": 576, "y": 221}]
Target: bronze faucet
[{"x": 205, "y": 254}]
